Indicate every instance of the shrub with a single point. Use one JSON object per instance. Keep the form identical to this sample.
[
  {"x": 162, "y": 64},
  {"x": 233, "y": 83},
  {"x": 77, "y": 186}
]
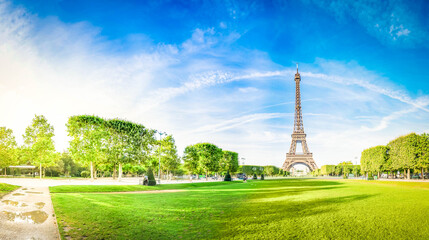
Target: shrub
[
  {"x": 254, "y": 176},
  {"x": 85, "y": 174},
  {"x": 227, "y": 177},
  {"x": 150, "y": 177},
  {"x": 262, "y": 177},
  {"x": 370, "y": 177}
]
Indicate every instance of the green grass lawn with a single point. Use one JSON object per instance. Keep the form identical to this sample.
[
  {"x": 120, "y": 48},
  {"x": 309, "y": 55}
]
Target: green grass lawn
[
  {"x": 6, "y": 188},
  {"x": 130, "y": 188},
  {"x": 270, "y": 209}
]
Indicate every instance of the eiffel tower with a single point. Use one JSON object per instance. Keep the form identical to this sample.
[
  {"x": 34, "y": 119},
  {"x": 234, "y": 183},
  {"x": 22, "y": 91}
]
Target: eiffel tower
[{"x": 298, "y": 136}]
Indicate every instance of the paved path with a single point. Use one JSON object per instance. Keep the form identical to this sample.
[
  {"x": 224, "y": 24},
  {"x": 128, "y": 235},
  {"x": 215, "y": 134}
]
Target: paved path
[{"x": 27, "y": 213}]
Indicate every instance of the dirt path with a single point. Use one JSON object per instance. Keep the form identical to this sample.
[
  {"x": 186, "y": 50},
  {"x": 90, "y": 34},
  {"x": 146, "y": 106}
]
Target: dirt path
[{"x": 27, "y": 213}]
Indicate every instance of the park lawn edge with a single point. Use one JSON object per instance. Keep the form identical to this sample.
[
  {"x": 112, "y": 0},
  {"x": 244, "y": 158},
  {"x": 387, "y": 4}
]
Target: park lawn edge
[
  {"x": 7, "y": 188},
  {"x": 132, "y": 188}
]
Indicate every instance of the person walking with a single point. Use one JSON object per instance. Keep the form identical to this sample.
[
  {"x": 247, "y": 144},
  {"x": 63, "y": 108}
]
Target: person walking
[{"x": 244, "y": 178}]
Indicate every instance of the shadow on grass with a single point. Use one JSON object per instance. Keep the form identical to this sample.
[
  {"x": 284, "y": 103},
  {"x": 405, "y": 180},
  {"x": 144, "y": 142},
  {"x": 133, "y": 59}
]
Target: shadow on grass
[
  {"x": 260, "y": 218},
  {"x": 202, "y": 213}
]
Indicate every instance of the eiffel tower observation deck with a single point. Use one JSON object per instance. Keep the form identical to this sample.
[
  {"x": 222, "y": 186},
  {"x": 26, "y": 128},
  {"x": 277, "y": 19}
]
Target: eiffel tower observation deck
[{"x": 298, "y": 135}]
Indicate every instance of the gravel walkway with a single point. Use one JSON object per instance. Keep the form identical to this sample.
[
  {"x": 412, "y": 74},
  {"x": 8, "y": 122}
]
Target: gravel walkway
[{"x": 27, "y": 213}]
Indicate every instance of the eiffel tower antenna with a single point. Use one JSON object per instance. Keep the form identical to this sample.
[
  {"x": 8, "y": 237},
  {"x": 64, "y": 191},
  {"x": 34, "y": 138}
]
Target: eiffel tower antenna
[{"x": 298, "y": 135}]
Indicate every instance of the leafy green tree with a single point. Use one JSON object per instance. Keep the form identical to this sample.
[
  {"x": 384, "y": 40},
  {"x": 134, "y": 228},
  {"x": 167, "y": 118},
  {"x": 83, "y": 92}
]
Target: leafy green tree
[
  {"x": 376, "y": 159},
  {"x": 403, "y": 152},
  {"x": 365, "y": 161},
  {"x": 269, "y": 170},
  {"x": 127, "y": 142},
  {"x": 209, "y": 156},
  {"x": 191, "y": 159},
  {"x": 70, "y": 168},
  {"x": 356, "y": 170},
  {"x": 327, "y": 170},
  {"x": 423, "y": 153},
  {"x": 338, "y": 170},
  {"x": 39, "y": 143},
  {"x": 229, "y": 162},
  {"x": 167, "y": 150},
  {"x": 8, "y": 148},
  {"x": 88, "y": 141}
]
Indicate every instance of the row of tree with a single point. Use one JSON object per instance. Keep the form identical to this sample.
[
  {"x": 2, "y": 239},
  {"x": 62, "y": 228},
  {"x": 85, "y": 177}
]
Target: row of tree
[
  {"x": 405, "y": 153},
  {"x": 342, "y": 169},
  {"x": 262, "y": 170},
  {"x": 100, "y": 147},
  {"x": 96, "y": 142},
  {"x": 208, "y": 158},
  {"x": 38, "y": 147}
]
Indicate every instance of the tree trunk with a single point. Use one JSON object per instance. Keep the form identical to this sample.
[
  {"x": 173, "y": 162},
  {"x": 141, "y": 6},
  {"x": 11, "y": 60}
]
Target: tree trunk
[
  {"x": 114, "y": 172},
  {"x": 423, "y": 174},
  {"x": 40, "y": 169},
  {"x": 92, "y": 171},
  {"x": 207, "y": 176},
  {"x": 5, "y": 173},
  {"x": 95, "y": 173},
  {"x": 378, "y": 175},
  {"x": 120, "y": 172},
  {"x": 408, "y": 174}
]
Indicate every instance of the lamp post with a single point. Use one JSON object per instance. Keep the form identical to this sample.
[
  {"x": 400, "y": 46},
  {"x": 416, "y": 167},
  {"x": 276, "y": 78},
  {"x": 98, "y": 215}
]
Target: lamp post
[
  {"x": 242, "y": 168},
  {"x": 159, "y": 160}
]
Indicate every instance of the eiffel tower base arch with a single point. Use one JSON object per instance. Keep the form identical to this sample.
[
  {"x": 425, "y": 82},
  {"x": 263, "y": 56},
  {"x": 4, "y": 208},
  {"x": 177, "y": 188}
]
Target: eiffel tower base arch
[{"x": 305, "y": 159}]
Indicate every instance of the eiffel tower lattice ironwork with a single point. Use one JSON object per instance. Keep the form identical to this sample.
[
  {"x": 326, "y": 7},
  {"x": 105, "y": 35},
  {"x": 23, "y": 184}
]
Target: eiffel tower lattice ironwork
[{"x": 298, "y": 136}]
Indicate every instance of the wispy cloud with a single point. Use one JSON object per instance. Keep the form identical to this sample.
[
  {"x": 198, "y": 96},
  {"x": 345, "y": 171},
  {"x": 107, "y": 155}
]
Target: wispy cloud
[
  {"x": 392, "y": 22},
  {"x": 235, "y": 122}
]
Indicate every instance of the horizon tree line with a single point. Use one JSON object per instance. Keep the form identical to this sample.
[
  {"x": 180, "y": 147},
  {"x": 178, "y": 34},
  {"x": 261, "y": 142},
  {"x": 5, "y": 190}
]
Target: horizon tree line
[
  {"x": 109, "y": 145},
  {"x": 403, "y": 154}
]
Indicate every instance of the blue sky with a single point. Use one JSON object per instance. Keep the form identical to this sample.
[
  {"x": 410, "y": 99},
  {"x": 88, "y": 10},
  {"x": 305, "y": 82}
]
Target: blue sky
[{"x": 222, "y": 71}]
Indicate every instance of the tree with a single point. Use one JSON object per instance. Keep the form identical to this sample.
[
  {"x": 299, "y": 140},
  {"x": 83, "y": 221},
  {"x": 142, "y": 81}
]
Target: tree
[
  {"x": 327, "y": 170},
  {"x": 403, "y": 152},
  {"x": 167, "y": 150},
  {"x": 375, "y": 159},
  {"x": 345, "y": 167},
  {"x": 229, "y": 162},
  {"x": 423, "y": 153},
  {"x": 70, "y": 168},
  {"x": 39, "y": 143},
  {"x": 269, "y": 170},
  {"x": 338, "y": 170},
  {"x": 227, "y": 176},
  {"x": 365, "y": 161},
  {"x": 150, "y": 177},
  {"x": 356, "y": 170},
  {"x": 209, "y": 156},
  {"x": 88, "y": 140},
  {"x": 191, "y": 159},
  {"x": 8, "y": 148}
]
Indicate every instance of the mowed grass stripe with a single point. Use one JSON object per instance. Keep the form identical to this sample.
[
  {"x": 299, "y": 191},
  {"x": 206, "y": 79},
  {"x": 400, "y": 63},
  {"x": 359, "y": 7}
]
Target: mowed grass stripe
[
  {"x": 275, "y": 209},
  {"x": 130, "y": 188}
]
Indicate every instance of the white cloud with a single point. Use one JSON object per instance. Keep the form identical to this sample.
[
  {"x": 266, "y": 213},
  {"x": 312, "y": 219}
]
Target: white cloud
[
  {"x": 248, "y": 90},
  {"x": 235, "y": 122}
]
